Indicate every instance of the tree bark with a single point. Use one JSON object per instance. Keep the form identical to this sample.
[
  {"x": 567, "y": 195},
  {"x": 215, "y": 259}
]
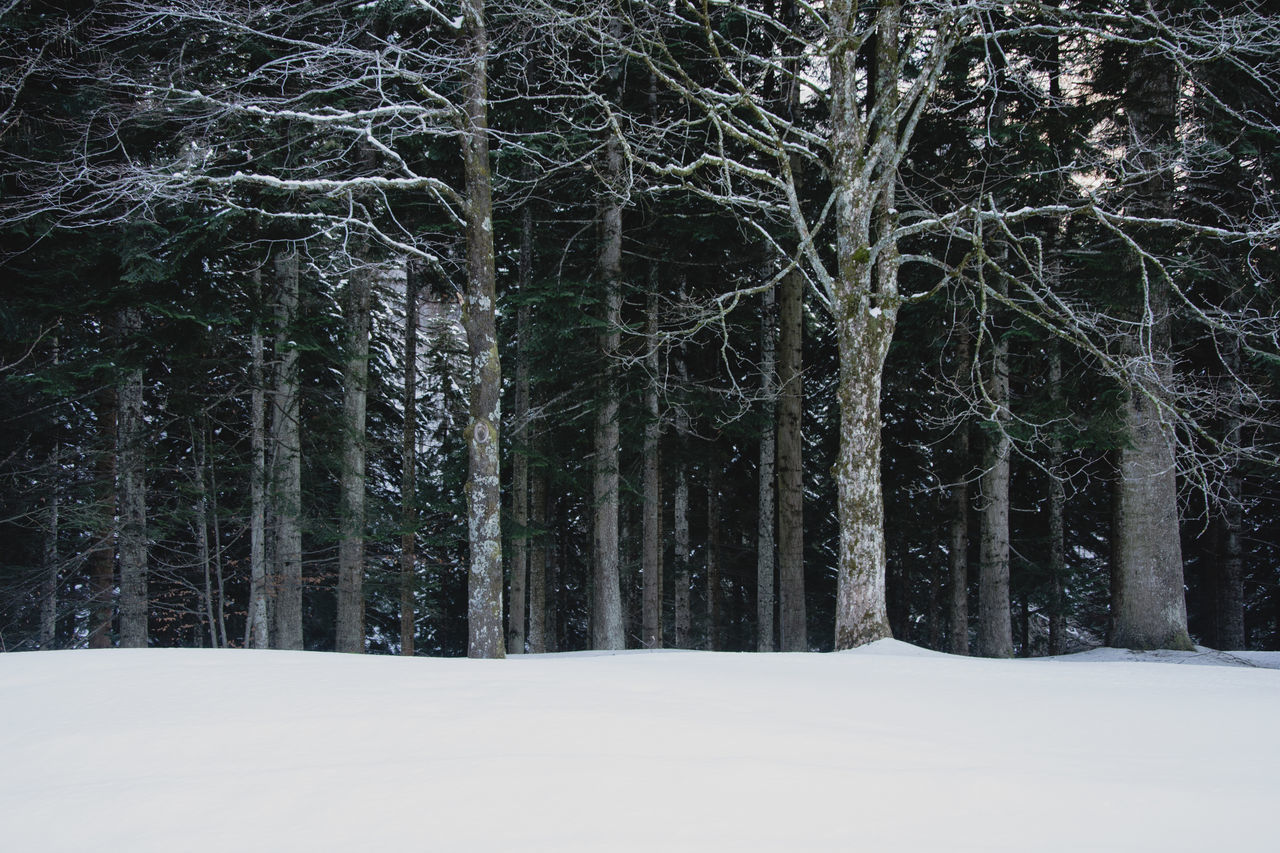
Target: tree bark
[
  {"x": 865, "y": 303},
  {"x": 132, "y": 484},
  {"x": 793, "y": 633},
  {"x": 484, "y": 508},
  {"x": 351, "y": 511},
  {"x": 766, "y": 559},
  {"x": 1148, "y": 601},
  {"x": 606, "y": 611},
  {"x": 286, "y": 458}
]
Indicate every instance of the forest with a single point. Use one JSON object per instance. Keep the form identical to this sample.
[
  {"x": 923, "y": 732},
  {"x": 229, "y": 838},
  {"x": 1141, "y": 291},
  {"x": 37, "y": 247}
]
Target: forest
[{"x": 414, "y": 327}]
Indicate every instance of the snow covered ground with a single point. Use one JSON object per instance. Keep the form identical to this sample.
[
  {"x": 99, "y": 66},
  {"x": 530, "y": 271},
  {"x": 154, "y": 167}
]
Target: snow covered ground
[{"x": 888, "y": 748}]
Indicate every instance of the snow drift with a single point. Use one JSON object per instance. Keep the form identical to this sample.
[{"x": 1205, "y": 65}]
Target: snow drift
[{"x": 887, "y": 748}]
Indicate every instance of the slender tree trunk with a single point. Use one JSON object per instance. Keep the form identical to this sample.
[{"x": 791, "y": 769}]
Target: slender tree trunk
[
  {"x": 651, "y": 549},
  {"x": 286, "y": 458},
  {"x": 520, "y": 453},
  {"x": 959, "y": 532},
  {"x": 792, "y": 615},
  {"x": 409, "y": 461},
  {"x": 714, "y": 591},
  {"x": 257, "y": 631},
  {"x": 132, "y": 483},
  {"x": 1230, "y": 574},
  {"x": 538, "y": 559},
  {"x": 201, "y": 529},
  {"x": 1057, "y": 527},
  {"x": 682, "y": 615},
  {"x": 102, "y": 557},
  {"x": 351, "y": 512},
  {"x": 1148, "y": 601},
  {"x": 766, "y": 558},
  {"x": 484, "y": 502},
  {"x": 218, "y": 573},
  {"x": 995, "y": 626},
  {"x": 49, "y": 578},
  {"x": 606, "y": 615}
]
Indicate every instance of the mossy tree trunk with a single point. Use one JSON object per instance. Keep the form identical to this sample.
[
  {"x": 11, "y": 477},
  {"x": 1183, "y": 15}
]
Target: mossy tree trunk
[{"x": 484, "y": 528}]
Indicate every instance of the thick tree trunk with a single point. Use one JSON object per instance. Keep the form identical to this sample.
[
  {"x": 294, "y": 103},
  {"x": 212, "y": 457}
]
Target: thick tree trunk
[
  {"x": 132, "y": 483},
  {"x": 861, "y": 615},
  {"x": 484, "y": 507},
  {"x": 865, "y": 303},
  {"x": 409, "y": 462},
  {"x": 651, "y": 523},
  {"x": 793, "y": 633},
  {"x": 766, "y": 559},
  {"x": 102, "y": 556},
  {"x": 606, "y": 610},
  {"x": 257, "y": 631},
  {"x": 351, "y": 512},
  {"x": 1148, "y": 601},
  {"x": 286, "y": 459}
]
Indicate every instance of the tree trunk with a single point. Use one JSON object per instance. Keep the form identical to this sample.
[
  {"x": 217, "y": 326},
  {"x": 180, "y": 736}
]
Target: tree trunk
[
  {"x": 351, "y": 512},
  {"x": 1148, "y": 602},
  {"x": 995, "y": 626},
  {"x": 606, "y": 611},
  {"x": 651, "y": 548},
  {"x": 286, "y": 458},
  {"x": 865, "y": 303},
  {"x": 792, "y": 617},
  {"x": 484, "y": 507},
  {"x": 959, "y": 533},
  {"x": 257, "y": 632},
  {"x": 714, "y": 591},
  {"x": 682, "y": 614},
  {"x": 520, "y": 448},
  {"x": 766, "y": 559},
  {"x": 538, "y": 559},
  {"x": 409, "y": 461},
  {"x": 102, "y": 556},
  {"x": 49, "y": 577},
  {"x": 1057, "y": 508},
  {"x": 132, "y": 483}
]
